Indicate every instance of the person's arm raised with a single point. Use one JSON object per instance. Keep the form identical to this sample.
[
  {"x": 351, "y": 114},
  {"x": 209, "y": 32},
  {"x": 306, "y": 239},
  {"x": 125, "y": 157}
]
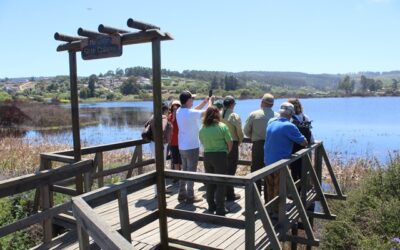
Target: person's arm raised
[{"x": 203, "y": 103}]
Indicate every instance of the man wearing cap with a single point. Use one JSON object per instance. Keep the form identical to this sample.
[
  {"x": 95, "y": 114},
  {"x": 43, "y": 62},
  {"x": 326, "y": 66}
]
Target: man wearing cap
[
  {"x": 255, "y": 128},
  {"x": 281, "y": 134},
  {"x": 189, "y": 120}
]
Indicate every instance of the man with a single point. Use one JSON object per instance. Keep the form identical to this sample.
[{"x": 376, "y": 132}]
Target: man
[
  {"x": 232, "y": 120},
  {"x": 255, "y": 128},
  {"x": 281, "y": 134},
  {"x": 189, "y": 120}
]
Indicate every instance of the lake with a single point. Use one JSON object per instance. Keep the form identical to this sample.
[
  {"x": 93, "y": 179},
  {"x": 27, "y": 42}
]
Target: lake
[{"x": 349, "y": 127}]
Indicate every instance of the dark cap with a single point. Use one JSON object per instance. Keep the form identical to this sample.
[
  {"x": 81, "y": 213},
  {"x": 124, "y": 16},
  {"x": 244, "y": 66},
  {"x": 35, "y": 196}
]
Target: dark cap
[
  {"x": 164, "y": 106},
  {"x": 219, "y": 104},
  {"x": 229, "y": 100},
  {"x": 185, "y": 96}
]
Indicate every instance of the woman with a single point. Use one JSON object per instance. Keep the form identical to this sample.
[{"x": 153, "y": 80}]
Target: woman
[
  {"x": 303, "y": 123},
  {"x": 232, "y": 120},
  {"x": 173, "y": 145},
  {"x": 217, "y": 142}
]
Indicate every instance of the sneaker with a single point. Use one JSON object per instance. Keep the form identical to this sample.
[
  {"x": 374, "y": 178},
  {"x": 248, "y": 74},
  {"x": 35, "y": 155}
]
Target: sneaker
[
  {"x": 233, "y": 198},
  {"x": 181, "y": 198},
  {"x": 193, "y": 199},
  {"x": 223, "y": 213}
]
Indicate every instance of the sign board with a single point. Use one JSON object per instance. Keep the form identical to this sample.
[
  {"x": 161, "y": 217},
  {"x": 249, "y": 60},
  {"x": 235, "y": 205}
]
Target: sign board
[{"x": 101, "y": 47}]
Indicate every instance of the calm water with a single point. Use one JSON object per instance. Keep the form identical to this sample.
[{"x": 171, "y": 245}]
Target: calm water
[{"x": 349, "y": 127}]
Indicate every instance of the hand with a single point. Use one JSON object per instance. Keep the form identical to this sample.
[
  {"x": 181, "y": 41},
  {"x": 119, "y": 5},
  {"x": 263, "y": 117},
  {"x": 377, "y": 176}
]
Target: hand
[{"x": 212, "y": 98}]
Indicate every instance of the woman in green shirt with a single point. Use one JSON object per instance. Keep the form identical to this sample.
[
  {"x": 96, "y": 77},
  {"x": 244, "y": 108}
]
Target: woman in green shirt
[{"x": 217, "y": 142}]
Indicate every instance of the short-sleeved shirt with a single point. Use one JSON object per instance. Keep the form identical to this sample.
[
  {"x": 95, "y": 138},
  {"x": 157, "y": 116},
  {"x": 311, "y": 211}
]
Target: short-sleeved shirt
[
  {"x": 215, "y": 137},
  {"x": 189, "y": 124},
  {"x": 256, "y": 123},
  {"x": 232, "y": 120},
  {"x": 281, "y": 134}
]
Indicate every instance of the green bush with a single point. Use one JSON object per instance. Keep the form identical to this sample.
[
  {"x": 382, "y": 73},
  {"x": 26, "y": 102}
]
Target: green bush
[{"x": 370, "y": 217}]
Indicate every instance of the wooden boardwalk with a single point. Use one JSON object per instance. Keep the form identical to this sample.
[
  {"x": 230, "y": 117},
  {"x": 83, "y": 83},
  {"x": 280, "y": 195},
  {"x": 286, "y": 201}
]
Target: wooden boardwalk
[{"x": 143, "y": 202}]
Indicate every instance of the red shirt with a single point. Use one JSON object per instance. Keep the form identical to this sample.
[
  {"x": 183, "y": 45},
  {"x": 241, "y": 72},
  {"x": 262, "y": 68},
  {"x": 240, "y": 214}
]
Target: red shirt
[{"x": 175, "y": 129}]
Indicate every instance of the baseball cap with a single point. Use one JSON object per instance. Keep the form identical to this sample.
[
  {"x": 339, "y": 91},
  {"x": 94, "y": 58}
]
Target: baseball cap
[
  {"x": 287, "y": 108},
  {"x": 228, "y": 100},
  {"x": 185, "y": 96},
  {"x": 175, "y": 102},
  {"x": 268, "y": 98},
  {"x": 219, "y": 103}
]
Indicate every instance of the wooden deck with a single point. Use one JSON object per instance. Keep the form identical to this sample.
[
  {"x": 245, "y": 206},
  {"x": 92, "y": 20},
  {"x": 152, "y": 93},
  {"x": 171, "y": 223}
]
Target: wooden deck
[{"x": 143, "y": 202}]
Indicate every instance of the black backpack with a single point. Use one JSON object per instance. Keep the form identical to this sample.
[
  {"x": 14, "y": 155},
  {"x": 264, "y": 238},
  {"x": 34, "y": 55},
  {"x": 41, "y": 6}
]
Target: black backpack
[
  {"x": 147, "y": 133},
  {"x": 303, "y": 126}
]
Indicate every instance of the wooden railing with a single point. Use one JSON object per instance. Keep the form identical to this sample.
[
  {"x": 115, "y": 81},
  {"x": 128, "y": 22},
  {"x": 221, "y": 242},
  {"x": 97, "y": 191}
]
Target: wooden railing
[
  {"x": 276, "y": 230},
  {"x": 87, "y": 222},
  {"x": 42, "y": 180}
]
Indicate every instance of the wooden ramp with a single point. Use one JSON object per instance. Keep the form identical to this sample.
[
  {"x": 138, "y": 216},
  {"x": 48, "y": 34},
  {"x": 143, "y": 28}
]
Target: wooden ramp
[{"x": 143, "y": 203}]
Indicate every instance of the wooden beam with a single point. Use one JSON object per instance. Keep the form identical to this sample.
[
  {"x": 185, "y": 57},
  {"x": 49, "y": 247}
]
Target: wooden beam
[
  {"x": 63, "y": 190},
  {"x": 123, "y": 212},
  {"x": 123, "y": 168},
  {"x": 266, "y": 220},
  {"x": 58, "y": 157},
  {"x": 208, "y": 178},
  {"x": 207, "y": 218},
  {"x": 89, "y": 33},
  {"x": 140, "y": 25},
  {"x": 66, "y": 38},
  {"x": 110, "y": 30},
  {"x": 102, "y": 233},
  {"x": 249, "y": 217},
  {"x": 33, "y": 219},
  {"x": 144, "y": 221},
  {"x": 46, "y": 177},
  {"x": 190, "y": 245}
]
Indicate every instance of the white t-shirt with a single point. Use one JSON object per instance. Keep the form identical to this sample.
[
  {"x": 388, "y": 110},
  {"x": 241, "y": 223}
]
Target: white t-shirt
[{"x": 189, "y": 121}]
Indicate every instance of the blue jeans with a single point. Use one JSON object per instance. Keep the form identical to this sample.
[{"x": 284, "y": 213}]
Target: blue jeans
[{"x": 190, "y": 159}]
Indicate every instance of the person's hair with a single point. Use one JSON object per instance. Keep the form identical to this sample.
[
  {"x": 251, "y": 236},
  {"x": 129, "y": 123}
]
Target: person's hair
[
  {"x": 298, "y": 108},
  {"x": 211, "y": 116},
  {"x": 228, "y": 102}
]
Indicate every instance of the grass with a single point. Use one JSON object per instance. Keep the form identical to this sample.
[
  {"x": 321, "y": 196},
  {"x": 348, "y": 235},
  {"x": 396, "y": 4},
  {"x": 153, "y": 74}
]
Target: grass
[{"x": 370, "y": 217}]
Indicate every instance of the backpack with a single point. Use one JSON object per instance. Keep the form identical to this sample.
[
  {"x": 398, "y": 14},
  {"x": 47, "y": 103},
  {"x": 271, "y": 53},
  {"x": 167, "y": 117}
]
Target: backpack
[
  {"x": 303, "y": 126},
  {"x": 147, "y": 133}
]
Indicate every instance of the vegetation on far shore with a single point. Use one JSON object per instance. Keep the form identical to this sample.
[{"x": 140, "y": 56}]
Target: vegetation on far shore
[{"x": 134, "y": 83}]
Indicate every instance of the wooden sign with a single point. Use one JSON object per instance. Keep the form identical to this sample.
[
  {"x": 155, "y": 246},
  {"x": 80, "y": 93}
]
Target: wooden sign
[{"x": 101, "y": 47}]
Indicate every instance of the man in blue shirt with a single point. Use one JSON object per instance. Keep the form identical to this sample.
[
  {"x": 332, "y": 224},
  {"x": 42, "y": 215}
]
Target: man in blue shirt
[{"x": 281, "y": 134}]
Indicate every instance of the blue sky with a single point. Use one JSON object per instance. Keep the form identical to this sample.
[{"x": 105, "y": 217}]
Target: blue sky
[{"x": 312, "y": 36}]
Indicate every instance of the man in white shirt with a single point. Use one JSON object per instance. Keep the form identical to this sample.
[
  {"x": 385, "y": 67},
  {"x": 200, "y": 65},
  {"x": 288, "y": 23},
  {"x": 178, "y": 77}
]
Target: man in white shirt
[{"x": 189, "y": 120}]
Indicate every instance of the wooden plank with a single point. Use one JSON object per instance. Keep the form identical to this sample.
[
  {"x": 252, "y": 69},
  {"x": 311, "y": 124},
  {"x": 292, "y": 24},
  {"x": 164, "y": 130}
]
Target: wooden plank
[
  {"x": 133, "y": 161},
  {"x": 100, "y": 168},
  {"x": 208, "y": 218},
  {"x": 123, "y": 168},
  {"x": 332, "y": 174},
  {"x": 207, "y": 177},
  {"x": 296, "y": 200},
  {"x": 250, "y": 218},
  {"x": 191, "y": 244},
  {"x": 267, "y": 224},
  {"x": 124, "y": 214},
  {"x": 57, "y": 157},
  {"x": 33, "y": 219},
  {"x": 104, "y": 147},
  {"x": 30, "y": 181},
  {"x": 47, "y": 225},
  {"x": 63, "y": 190},
  {"x": 102, "y": 233}
]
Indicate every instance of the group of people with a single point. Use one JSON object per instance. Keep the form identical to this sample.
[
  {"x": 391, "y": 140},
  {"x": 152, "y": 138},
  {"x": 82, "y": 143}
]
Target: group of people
[{"x": 274, "y": 136}]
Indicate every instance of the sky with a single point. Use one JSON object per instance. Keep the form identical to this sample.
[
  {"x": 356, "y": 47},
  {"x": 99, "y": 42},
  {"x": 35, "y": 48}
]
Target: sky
[{"x": 311, "y": 36}]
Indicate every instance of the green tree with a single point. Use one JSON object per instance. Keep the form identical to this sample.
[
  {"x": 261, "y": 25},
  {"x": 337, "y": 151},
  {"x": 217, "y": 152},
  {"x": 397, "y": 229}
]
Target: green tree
[
  {"x": 395, "y": 83},
  {"x": 231, "y": 83},
  {"x": 347, "y": 85},
  {"x": 364, "y": 84},
  {"x": 92, "y": 85},
  {"x": 84, "y": 93},
  {"x": 130, "y": 87},
  {"x": 119, "y": 72},
  {"x": 214, "y": 83}
]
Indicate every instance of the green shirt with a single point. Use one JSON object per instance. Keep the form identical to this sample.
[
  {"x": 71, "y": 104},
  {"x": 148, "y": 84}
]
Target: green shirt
[
  {"x": 215, "y": 137},
  {"x": 232, "y": 120},
  {"x": 256, "y": 123}
]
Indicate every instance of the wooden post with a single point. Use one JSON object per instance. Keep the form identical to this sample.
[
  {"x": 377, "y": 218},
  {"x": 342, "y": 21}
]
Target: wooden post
[
  {"x": 139, "y": 149},
  {"x": 249, "y": 217},
  {"x": 282, "y": 202},
  {"x": 83, "y": 237},
  {"x": 158, "y": 135},
  {"x": 100, "y": 180},
  {"x": 47, "y": 225},
  {"x": 75, "y": 115},
  {"x": 124, "y": 214},
  {"x": 318, "y": 162}
]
